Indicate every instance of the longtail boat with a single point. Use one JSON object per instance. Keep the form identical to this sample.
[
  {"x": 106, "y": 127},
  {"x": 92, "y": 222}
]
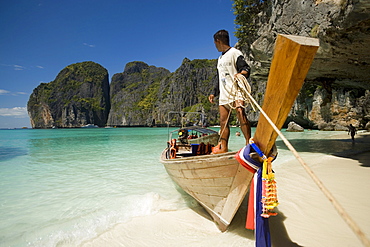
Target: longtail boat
[{"x": 217, "y": 181}]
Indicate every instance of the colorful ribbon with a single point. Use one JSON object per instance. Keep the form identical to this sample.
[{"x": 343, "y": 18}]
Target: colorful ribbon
[{"x": 262, "y": 193}]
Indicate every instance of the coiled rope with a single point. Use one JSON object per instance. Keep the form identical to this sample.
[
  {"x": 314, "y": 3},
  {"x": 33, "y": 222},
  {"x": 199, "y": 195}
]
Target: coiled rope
[{"x": 241, "y": 81}]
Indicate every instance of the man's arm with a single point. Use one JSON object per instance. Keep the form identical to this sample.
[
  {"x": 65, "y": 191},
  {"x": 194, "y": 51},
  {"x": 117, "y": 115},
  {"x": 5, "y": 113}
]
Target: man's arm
[
  {"x": 216, "y": 91},
  {"x": 242, "y": 67}
]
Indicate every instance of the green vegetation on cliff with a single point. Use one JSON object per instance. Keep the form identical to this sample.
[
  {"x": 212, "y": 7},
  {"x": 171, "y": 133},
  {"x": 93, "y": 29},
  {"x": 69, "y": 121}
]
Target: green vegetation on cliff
[
  {"x": 246, "y": 19},
  {"x": 144, "y": 94},
  {"x": 79, "y": 95}
]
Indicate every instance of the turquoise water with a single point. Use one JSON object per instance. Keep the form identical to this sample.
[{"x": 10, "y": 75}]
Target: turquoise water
[{"x": 61, "y": 187}]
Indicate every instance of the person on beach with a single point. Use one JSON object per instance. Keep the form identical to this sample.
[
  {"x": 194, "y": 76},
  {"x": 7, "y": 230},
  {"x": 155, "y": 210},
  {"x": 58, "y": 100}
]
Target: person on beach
[
  {"x": 352, "y": 130},
  {"x": 230, "y": 63}
]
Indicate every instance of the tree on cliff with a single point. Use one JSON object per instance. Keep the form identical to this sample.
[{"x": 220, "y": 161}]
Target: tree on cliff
[{"x": 246, "y": 19}]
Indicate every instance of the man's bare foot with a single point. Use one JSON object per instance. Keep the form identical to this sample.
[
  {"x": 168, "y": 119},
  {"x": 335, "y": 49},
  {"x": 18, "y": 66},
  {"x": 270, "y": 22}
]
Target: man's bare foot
[{"x": 218, "y": 149}]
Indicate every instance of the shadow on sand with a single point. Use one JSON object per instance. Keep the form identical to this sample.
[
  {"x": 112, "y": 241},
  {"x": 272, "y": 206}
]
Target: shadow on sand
[
  {"x": 279, "y": 234},
  {"x": 345, "y": 148}
]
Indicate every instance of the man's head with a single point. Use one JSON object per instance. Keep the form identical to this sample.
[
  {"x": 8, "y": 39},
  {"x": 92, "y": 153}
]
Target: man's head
[{"x": 221, "y": 39}]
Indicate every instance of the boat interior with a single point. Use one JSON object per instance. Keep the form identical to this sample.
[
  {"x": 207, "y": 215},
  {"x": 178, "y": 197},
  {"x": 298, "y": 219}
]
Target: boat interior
[{"x": 191, "y": 141}]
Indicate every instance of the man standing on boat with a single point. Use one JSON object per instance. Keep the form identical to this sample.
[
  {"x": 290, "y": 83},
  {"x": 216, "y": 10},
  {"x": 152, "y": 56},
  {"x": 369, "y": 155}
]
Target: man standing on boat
[{"x": 230, "y": 63}]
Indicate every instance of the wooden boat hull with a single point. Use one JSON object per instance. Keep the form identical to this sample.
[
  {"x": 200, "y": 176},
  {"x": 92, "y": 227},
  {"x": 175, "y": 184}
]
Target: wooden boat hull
[{"x": 218, "y": 182}]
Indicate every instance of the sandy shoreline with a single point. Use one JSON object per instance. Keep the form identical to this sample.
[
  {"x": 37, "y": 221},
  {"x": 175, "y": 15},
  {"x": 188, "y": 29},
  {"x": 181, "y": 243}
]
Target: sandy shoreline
[
  {"x": 311, "y": 219},
  {"x": 306, "y": 217}
]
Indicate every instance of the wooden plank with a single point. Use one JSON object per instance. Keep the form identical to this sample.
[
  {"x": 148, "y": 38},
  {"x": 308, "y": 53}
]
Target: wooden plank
[
  {"x": 203, "y": 164},
  {"x": 205, "y": 173},
  {"x": 210, "y": 201},
  {"x": 212, "y": 172},
  {"x": 237, "y": 193},
  {"x": 213, "y": 197},
  {"x": 220, "y": 191},
  {"x": 209, "y": 182},
  {"x": 200, "y": 161},
  {"x": 293, "y": 56}
]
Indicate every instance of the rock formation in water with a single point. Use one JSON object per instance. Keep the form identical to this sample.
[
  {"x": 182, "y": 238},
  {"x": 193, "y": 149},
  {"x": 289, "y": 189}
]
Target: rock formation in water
[
  {"x": 294, "y": 127},
  {"x": 79, "y": 95}
]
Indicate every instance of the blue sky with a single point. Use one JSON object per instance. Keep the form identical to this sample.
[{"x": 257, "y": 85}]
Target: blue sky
[{"x": 40, "y": 37}]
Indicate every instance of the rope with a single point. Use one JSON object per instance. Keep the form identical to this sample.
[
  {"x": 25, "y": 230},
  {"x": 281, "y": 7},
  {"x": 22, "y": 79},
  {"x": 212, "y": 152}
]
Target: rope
[
  {"x": 241, "y": 86},
  {"x": 355, "y": 228}
]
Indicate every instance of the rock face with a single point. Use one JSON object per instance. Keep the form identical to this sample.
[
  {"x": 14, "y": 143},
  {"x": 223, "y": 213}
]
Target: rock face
[
  {"x": 79, "y": 95},
  {"x": 336, "y": 91},
  {"x": 333, "y": 109},
  {"x": 134, "y": 94},
  {"x": 144, "y": 95},
  {"x": 187, "y": 89}
]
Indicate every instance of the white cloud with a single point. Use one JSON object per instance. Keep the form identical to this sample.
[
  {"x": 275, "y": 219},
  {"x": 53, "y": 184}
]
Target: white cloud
[
  {"x": 86, "y": 44},
  {"x": 18, "y": 67},
  {"x": 2, "y": 92},
  {"x": 17, "y": 112},
  {"x": 6, "y": 92}
]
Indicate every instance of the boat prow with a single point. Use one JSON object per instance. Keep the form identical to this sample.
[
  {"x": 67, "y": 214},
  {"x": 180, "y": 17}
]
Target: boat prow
[{"x": 218, "y": 182}]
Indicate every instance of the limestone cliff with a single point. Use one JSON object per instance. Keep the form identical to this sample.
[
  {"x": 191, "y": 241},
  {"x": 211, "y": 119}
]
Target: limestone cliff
[
  {"x": 187, "y": 89},
  {"x": 336, "y": 90},
  {"x": 134, "y": 94},
  {"x": 79, "y": 95},
  {"x": 143, "y": 95}
]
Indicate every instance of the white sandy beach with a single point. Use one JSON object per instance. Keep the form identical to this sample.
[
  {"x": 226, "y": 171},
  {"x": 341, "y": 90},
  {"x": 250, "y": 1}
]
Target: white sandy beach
[{"x": 306, "y": 217}]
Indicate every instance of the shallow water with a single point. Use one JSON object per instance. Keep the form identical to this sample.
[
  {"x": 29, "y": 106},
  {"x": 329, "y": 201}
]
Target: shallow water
[{"x": 62, "y": 187}]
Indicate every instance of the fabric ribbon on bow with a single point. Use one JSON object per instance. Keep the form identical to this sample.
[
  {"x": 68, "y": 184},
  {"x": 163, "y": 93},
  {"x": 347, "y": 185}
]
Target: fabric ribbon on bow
[{"x": 262, "y": 193}]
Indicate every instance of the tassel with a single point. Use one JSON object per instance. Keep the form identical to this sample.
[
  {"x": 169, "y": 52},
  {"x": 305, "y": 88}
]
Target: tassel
[{"x": 269, "y": 191}]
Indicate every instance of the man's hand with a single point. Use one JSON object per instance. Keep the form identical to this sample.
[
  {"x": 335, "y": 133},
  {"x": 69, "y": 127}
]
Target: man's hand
[
  {"x": 243, "y": 72},
  {"x": 211, "y": 98}
]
